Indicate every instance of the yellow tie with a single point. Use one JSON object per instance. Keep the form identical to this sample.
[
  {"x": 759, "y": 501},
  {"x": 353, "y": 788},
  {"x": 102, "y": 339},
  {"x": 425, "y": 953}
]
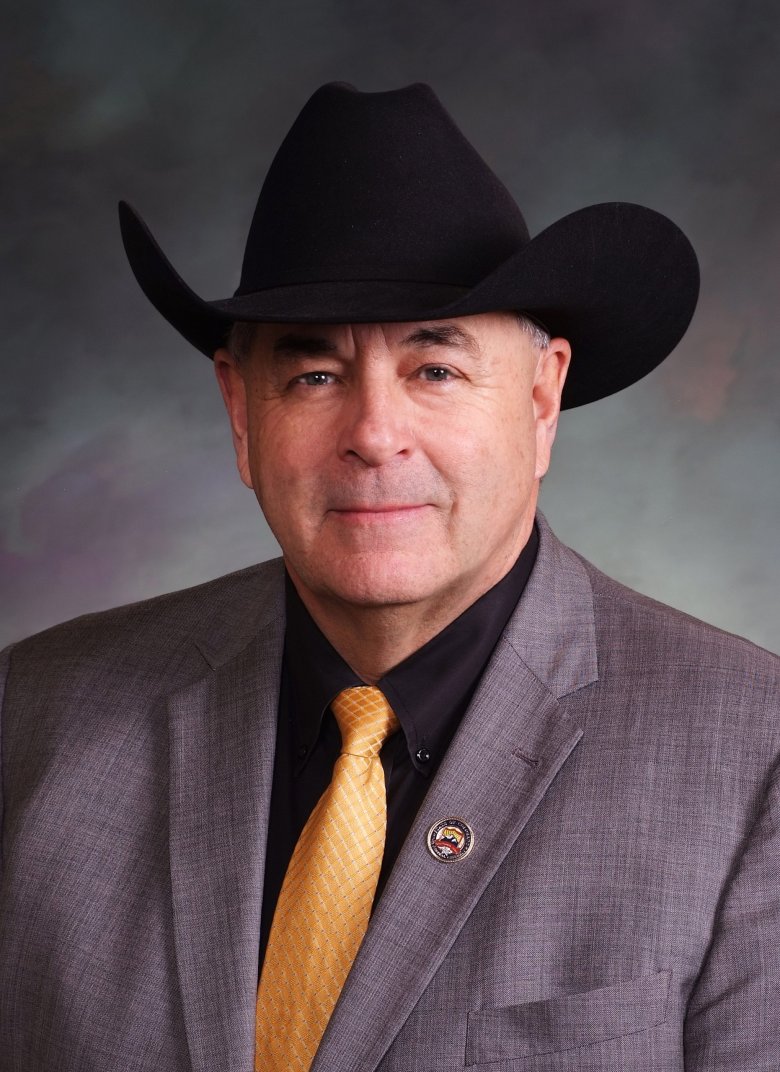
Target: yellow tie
[{"x": 326, "y": 897}]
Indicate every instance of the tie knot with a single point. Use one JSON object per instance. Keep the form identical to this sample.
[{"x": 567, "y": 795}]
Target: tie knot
[{"x": 365, "y": 719}]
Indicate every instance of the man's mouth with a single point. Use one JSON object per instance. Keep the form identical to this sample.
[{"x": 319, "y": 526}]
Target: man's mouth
[{"x": 378, "y": 511}]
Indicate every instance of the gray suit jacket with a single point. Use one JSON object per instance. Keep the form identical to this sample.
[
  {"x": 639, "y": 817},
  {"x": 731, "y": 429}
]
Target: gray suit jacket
[{"x": 619, "y": 909}]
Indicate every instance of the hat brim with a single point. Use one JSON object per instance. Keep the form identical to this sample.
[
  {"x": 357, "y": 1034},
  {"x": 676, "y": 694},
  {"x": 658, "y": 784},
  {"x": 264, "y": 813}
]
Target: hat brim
[{"x": 618, "y": 280}]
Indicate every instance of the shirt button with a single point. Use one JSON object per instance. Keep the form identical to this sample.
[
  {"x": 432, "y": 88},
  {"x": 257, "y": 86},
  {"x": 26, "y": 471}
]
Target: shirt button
[
  {"x": 422, "y": 755},
  {"x": 302, "y": 751}
]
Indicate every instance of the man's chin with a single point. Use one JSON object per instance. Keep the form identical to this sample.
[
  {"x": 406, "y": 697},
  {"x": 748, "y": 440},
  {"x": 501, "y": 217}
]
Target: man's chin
[
  {"x": 376, "y": 593},
  {"x": 371, "y": 581}
]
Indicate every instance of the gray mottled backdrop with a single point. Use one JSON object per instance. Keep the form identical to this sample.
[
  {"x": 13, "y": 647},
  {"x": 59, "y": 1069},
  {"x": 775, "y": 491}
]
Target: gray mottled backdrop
[{"x": 117, "y": 479}]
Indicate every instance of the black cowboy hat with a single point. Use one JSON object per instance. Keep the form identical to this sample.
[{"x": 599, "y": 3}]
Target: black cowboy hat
[{"x": 376, "y": 208}]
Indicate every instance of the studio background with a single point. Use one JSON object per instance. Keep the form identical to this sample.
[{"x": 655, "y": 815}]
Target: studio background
[{"x": 117, "y": 478}]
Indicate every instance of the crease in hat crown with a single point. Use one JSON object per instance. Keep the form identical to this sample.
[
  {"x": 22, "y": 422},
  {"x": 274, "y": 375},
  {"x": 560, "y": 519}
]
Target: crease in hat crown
[
  {"x": 350, "y": 192},
  {"x": 377, "y": 208}
]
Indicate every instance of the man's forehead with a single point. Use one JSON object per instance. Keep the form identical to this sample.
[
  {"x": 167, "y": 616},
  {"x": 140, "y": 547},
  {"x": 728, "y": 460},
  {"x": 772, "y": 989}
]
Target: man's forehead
[{"x": 465, "y": 332}]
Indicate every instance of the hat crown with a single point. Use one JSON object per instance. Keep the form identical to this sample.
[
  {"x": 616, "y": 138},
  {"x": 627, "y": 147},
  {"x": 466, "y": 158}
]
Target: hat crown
[{"x": 378, "y": 186}]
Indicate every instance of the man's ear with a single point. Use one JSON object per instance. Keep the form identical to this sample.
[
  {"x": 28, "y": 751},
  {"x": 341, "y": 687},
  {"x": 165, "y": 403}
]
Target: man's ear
[
  {"x": 549, "y": 378},
  {"x": 233, "y": 387}
]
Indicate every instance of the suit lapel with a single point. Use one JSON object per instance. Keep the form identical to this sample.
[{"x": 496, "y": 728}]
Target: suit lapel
[
  {"x": 220, "y": 791},
  {"x": 512, "y": 742},
  {"x": 506, "y": 753}
]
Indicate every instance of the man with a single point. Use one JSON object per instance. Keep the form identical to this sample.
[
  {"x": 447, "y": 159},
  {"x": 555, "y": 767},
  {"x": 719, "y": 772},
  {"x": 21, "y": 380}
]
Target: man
[{"x": 435, "y": 793}]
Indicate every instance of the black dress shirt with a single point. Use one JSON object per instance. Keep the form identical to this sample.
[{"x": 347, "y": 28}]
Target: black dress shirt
[{"x": 429, "y": 693}]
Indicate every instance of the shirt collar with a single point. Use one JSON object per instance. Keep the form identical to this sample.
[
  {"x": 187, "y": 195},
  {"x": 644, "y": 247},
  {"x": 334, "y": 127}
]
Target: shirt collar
[{"x": 429, "y": 691}]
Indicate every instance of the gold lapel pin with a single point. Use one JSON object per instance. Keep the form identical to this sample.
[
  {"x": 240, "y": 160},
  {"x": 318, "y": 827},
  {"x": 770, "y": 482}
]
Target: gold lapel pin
[{"x": 450, "y": 840}]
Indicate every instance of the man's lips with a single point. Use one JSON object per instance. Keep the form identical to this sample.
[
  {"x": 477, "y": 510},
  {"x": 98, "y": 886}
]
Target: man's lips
[
  {"x": 377, "y": 511},
  {"x": 376, "y": 508}
]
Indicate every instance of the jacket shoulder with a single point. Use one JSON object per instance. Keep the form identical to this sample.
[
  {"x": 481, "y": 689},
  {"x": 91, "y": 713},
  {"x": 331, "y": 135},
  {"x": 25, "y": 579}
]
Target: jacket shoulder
[
  {"x": 652, "y": 636},
  {"x": 156, "y": 634}
]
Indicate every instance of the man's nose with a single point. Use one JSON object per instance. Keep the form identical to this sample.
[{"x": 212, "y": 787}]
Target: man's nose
[{"x": 376, "y": 427}]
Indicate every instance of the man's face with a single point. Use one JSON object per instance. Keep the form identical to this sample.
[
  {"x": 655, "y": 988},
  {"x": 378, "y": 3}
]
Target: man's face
[{"x": 396, "y": 463}]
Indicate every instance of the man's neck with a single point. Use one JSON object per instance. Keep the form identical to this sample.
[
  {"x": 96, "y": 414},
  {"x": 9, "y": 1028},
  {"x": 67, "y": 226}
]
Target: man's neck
[{"x": 373, "y": 640}]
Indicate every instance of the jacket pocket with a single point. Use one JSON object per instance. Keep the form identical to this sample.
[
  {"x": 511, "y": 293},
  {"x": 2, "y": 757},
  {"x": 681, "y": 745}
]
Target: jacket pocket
[{"x": 568, "y": 1021}]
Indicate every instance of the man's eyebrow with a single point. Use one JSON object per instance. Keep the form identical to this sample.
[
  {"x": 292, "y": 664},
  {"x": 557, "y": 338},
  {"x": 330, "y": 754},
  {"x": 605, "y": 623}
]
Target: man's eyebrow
[
  {"x": 443, "y": 335},
  {"x": 295, "y": 343}
]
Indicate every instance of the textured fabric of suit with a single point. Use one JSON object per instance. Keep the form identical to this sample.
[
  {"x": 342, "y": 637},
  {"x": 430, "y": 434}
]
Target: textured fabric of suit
[{"x": 619, "y": 910}]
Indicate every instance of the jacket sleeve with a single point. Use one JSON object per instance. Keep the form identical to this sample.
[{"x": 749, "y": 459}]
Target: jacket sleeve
[
  {"x": 5, "y": 659},
  {"x": 732, "y": 1019}
]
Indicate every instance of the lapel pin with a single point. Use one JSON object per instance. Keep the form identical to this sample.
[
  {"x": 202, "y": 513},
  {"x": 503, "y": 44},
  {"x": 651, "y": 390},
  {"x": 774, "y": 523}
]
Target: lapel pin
[{"x": 450, "y": 840}]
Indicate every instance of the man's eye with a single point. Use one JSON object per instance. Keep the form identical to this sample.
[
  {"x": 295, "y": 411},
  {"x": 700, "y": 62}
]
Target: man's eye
[
  {"x": 315, "y": 379},
  {"x": 436, "y": 373}
]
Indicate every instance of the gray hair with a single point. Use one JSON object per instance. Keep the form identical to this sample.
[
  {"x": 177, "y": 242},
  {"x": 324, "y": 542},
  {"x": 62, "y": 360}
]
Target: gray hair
[
  {"x": 539, "y": 336},
  {"x": 242, "y": 335},
  {"x": 240, "y": 339}
]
